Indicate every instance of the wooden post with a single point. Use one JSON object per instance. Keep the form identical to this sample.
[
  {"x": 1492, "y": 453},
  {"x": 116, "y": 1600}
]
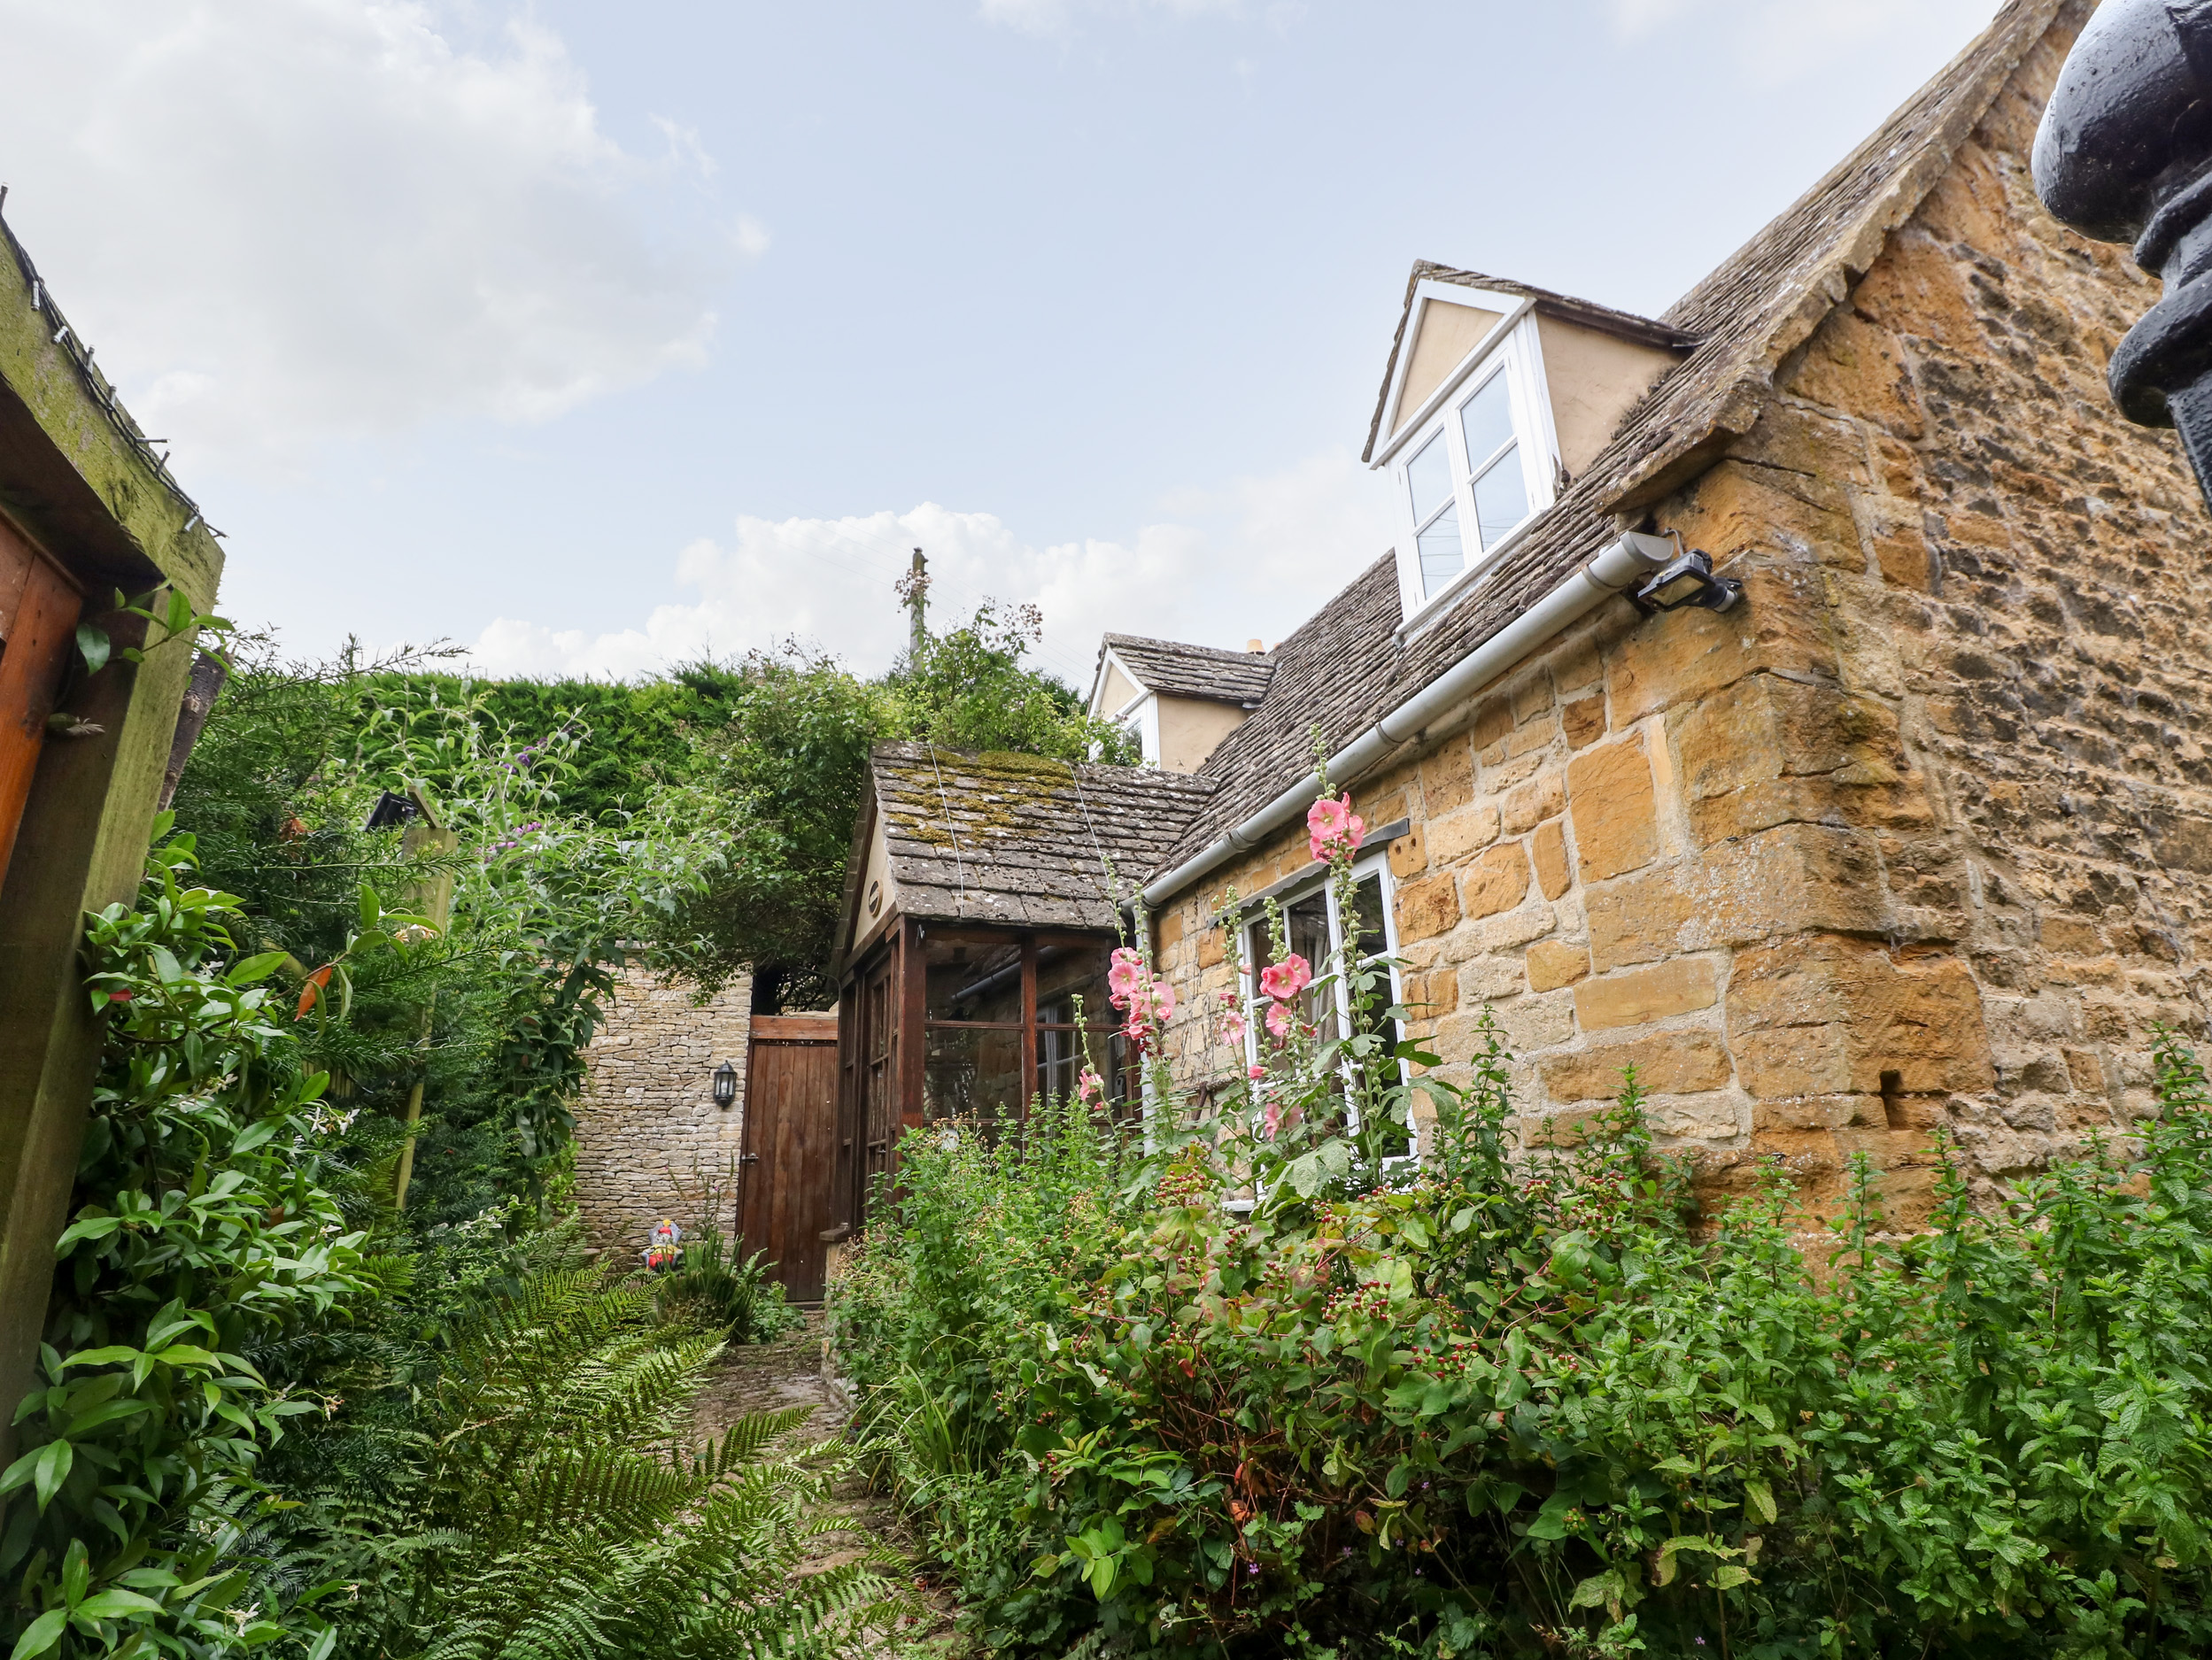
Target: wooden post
[
  {"x": 913, "y": 1034},
  {"x": 429, "y": 895},
  {"x": 1029, "y": 1029}
]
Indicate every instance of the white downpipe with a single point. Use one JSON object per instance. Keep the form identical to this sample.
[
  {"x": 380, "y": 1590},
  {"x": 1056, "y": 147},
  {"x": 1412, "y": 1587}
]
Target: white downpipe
[{"x": 1618, "y": 566}]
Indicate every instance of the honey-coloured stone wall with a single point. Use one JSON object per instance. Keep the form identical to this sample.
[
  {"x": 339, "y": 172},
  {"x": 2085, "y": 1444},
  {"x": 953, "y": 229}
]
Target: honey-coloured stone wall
[
  {"x": 1919, "y": 835},
  {"x": 650, "y": 1141}
]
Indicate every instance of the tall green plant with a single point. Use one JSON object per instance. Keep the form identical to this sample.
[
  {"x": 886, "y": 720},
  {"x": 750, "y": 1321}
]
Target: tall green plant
[{"x": 202, "y": 1228}]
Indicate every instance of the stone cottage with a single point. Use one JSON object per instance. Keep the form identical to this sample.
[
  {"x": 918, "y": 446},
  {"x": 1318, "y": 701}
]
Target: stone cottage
[{"x": 1916, "y": 830}]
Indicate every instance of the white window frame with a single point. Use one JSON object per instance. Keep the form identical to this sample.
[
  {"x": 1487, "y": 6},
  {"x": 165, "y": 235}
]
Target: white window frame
[
  {"x": 1515, "y": 349},
  {"x": 1140, "y": 715},
  {"x": 1377, "y": 864}
]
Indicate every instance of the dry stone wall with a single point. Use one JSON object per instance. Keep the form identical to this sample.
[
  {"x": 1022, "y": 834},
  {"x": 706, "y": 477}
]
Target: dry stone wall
[
  {"x": 650, "y": 1140},
  {"x": 1920, "y": 835}
]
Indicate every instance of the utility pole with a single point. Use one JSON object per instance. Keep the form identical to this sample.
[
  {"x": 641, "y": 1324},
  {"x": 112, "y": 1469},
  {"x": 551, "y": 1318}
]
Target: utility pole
[{"x": 914, "y": 589}]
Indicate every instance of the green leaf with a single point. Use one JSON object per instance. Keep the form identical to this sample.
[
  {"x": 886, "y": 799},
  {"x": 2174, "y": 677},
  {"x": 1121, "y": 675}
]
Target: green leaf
[
  {"x": 116, "y": 1604},
  {"x": 51, "y": 1470},
  {"x": 1763, "y": 1500},
  {"x": 76, "y": 1573},
  {"x": 94, "y": 647},
  {"x": 1728, "y": 1575},
  {"x": 255, "y": 969},
  {"x": 45, "y": 1631},
  {"x": 113, "y": 1355},
  {"x": 86, "y": 1228}
]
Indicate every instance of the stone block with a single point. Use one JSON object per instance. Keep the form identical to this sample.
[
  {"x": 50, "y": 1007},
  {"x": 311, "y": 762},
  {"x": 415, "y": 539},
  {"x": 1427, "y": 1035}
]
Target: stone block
[
  {"x": 1498, "y": 881},
  {"x": 1553, "y": 963},
  {"x": 1646, "y": 994},
  {"x": 1824, "y": 1015},
  {"x": 1489, "y": 978},
  {"x": 1639, "y": 919},
  {"x": 1583, "y": 721},
  {"x": 1767, "y": 750},
  {"x": 2086, "y": 1072},
  {"x": 1666, "y": 1063},
  {"x": 1683, "y": 654},
  {"x": 1172, "y": 926},
  {"x": 1785, "y": 880},
  {"x": 1532, "y": 696},
  {"x": 1577, "y": 665},
  {"x": 1492, "y": 721},
  {"x": 1511, "y": 929},
  {"x": 1447, "y": 777},
  {"x": 1547, "y": 850},
  {"x": 1616, "y": 825},
  {"x": 1409, "y": 854},
  {"x": 1213, "y": 947},
  {"x": 1452, "y": 838},
  {"x": 1428, "y": 907},
  {"x": 1531, "y": 1024},
  {"x": 1542, "y": 797}
]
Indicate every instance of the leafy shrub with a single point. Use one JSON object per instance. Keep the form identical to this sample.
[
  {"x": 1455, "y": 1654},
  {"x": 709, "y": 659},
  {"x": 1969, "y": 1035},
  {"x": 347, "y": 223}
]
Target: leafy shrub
[
  {"x": 710, "y": 1288},
  {"x": 1522, "y": 1403},
  {"x": 204, "y": 1230},
  {"x": 551, "y": 1506}
]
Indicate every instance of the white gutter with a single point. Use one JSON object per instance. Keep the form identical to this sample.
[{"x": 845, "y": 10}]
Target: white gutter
[{"x": 1618, "y": 566}]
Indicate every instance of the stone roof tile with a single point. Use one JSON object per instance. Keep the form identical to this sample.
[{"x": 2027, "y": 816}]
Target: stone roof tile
[
  {"x": 1020, "y": 841},
  {"x": 1177, "y": 670}
]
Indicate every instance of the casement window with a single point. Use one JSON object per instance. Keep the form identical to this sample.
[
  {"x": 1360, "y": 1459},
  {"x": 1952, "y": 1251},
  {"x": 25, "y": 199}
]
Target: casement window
[
  {"x": 1477, "y": 464},
  {"x": 1315, "y": 925}
]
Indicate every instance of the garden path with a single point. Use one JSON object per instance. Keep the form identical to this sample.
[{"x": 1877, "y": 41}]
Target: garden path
[{"x": 788, "y": 1372}]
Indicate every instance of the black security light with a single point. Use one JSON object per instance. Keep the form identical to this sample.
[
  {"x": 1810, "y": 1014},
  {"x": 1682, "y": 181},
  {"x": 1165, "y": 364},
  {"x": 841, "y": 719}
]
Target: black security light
[
  {"x": 725, "y": 1085},
  {"x": 391, "y": 812},
  {"x": 1687, "y": 581}
]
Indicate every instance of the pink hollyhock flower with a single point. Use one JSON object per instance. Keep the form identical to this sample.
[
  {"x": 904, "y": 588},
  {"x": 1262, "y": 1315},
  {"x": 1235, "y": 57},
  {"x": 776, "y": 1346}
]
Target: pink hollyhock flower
[
  {"x": 1256, "y": 1071},
  {"x": 1332, "y": 826},
  {"x": 1233, "y": 1027},
  {"x": 1090, "y": 1087},
  {"x": 1124, "y": 975},
  {"x": 1163, "y": 996},
  {"x": 1278, "y": 1019},
  {"x": 1272, "y": 1118},
  {"x": 1285, "y": 979}
]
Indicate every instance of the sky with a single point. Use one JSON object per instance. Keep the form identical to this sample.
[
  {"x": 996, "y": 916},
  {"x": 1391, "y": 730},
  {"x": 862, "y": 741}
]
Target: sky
[{"x": 597, "y": 337}]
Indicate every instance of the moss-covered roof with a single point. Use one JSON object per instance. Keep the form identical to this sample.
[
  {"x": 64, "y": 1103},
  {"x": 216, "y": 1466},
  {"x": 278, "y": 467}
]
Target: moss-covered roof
[{"x": 1020, "y": 841}]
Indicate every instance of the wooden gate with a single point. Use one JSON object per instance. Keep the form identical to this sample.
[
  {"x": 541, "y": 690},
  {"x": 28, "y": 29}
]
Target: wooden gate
[{"x": 786, "y": 1188}]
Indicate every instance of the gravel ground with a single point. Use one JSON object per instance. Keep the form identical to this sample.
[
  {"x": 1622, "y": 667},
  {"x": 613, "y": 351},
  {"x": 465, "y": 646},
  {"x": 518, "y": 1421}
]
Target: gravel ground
[{"x": 770, "y": 1377}]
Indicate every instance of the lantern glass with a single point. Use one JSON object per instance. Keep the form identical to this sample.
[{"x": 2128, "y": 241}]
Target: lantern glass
[{"x": 725, "y": 1085}]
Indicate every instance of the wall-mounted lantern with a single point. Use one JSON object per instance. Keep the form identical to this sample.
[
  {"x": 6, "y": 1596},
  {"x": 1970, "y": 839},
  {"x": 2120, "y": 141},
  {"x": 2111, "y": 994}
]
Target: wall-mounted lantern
[{"x": 725, "y": 1085}]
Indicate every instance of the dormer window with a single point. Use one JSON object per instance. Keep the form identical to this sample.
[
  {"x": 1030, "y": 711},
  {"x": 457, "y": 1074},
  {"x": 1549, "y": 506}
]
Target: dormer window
[
  {"x": 1479, "y": 465},
  {"x": 1496, "y": 394}
]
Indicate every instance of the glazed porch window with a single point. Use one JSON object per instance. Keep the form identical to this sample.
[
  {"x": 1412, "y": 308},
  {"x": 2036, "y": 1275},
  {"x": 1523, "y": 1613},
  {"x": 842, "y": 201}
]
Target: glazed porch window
[{"x": 974, "y": 1026}]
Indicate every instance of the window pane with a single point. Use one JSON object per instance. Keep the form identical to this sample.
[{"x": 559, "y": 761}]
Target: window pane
[
  {"x": 1441, "y": 556},
  {"x": 1428, "y": 478},
  {"x": 973, "y": 981},
  {"x": 1501, "y": 497},
  {"x": 1488, "y": 420},
  {"x": 973, "y": 1075},
  {"x": 1367, "y": 902}
]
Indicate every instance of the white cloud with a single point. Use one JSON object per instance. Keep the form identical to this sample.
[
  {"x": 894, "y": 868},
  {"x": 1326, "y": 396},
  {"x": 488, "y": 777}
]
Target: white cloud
[
  {"x": 1252, "y": 558},
  {"x": 287, "y": 222},
  {"x": 1057, "y": 17},
  {"x": 1780, "y": 39}
]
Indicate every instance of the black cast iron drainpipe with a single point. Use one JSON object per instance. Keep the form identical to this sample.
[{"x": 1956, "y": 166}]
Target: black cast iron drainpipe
[{"x": 2125, "y": 154}]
